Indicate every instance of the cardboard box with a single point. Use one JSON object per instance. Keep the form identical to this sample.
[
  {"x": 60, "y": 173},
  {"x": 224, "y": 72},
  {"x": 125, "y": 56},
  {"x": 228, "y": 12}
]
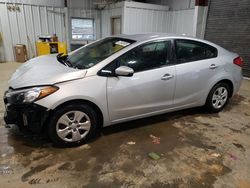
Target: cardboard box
[{"x": 21, "y": 53}]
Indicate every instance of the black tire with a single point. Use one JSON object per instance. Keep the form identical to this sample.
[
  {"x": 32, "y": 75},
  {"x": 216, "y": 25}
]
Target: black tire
[
  {"x": 209, "y": 103},
  {"x": 52, "y": 128}
]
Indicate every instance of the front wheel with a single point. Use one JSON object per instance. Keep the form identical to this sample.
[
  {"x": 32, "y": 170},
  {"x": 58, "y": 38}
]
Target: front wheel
[
  {"x": 72, "y": 125},
  {"x": 218, "y": 97}
]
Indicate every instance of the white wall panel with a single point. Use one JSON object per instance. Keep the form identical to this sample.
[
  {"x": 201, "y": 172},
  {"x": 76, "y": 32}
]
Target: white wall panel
[
  {"x": 143, "y": 18},
  {"x": 44, "y": 25},
  {"x": 26, "y": 25},
  {"x": 51, "y": 20},
  {"x": 174, "y": 4},
  {"x": 109, "y": 12},
  {"x": 59, "y": 23},
  {"x": 22, "y": 27},
  {"x": 36, "y": 20},
  {"x": 30, "y": 35},
  {"x": 6, "y": 32},
  {"x": 146, "y": 20},
  {"x": 80, "y": 4},
  {"x": 180, "y": 22},
  {"x": 1, "y": 45}
]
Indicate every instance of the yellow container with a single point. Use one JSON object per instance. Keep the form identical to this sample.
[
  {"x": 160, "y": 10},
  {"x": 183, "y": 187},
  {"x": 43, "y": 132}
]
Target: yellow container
[{"x": 45, "y": 48}]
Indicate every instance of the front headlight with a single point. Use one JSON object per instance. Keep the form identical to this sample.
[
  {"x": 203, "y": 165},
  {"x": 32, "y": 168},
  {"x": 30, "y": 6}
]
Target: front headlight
[{"x": 30, "y": 95}]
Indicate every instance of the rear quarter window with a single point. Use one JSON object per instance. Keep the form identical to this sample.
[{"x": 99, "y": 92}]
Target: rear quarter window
[{"x": 189, "y": 50}]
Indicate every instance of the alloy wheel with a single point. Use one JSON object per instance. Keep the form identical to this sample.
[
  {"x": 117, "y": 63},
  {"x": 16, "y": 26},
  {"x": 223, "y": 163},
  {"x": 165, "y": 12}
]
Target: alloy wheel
[
  {"x": 73, "y": 126},
  {"x": 219, "y": 97}
]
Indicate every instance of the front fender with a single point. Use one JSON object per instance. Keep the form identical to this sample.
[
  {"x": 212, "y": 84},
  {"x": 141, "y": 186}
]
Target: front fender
[{"x": 91, "y": 89}]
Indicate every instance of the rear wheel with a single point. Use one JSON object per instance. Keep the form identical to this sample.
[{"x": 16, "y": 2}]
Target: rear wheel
[
  {"x": 218, "y": 97},
  {"x": 73, "y": 125}
]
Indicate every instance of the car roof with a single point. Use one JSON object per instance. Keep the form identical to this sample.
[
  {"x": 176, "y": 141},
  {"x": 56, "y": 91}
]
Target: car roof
[{"x": 147, "y": 36}]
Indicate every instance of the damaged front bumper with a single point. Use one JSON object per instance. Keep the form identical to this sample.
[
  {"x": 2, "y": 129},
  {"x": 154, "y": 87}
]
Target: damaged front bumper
[{"x": 26, "y": 116}]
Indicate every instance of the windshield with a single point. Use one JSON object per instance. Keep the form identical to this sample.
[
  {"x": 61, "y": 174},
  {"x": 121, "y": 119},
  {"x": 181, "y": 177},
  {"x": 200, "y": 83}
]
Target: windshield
[{"x": 94, "y": 53}]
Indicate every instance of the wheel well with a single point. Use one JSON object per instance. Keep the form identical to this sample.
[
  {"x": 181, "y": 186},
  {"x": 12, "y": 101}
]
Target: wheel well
[
  {"x": 93, "y": 105},
  {"x": 230, "y": 84}
]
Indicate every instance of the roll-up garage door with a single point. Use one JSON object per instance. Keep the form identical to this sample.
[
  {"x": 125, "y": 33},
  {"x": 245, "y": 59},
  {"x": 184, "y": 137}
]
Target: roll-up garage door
[{"x": 228, "y": 24}]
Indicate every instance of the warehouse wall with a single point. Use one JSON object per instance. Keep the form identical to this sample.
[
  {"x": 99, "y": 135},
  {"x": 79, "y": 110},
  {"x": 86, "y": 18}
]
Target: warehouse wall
[
  {"x": 82, "y": 9},
  {"x": 49, "y": 17},
  {"x": 106, "y": 15},
  {"x": 175, "y": 4},
  {"x": 24, "y": 26},
  {"x": 40, "y": 17},
  {"x": 181, "y": 22},
  {"x": 140, "y": 17},
  {"x": 80, "y": 4},
  {"x": 1, "y": 44},
  {"x": 158, "y": 20},
  {"x": 53, "y": 3},
  {"x": 228, "y": 25}
]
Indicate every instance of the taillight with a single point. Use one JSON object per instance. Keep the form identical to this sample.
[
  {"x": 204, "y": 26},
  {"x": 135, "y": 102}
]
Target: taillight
[{"x": 238, "y": 61}]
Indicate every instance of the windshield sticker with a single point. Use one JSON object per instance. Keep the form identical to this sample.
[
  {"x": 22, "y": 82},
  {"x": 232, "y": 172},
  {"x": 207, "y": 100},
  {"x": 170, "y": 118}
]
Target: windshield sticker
[
  {"x": 91, "y": 64},
  {"x": 122, "y": 43}
]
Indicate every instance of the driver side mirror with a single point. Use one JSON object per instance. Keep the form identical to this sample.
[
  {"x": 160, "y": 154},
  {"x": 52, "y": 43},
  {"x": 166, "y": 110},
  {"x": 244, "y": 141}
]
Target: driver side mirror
[{"x": 124, "y": 71}]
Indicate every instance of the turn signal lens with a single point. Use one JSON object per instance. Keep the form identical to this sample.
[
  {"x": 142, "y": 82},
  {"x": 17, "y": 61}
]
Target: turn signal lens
[{"x": 47, "y": 91}]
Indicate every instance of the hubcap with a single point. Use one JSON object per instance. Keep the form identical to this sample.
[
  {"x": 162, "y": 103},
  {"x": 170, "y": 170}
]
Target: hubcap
[
  {"x": 73, "y": 126},
  {"x": 219, "y": 97}
]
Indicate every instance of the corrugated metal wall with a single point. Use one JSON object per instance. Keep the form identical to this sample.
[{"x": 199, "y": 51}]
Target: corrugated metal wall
[
  {"x": 106, "y": 15},
  {"x": 228, "y": 24},
  {"x": 181, "y": 22},
  {"x": 81, "y": 4},
  {"x": 146, "y": 20},
  {"x": 174, "y": 4},
  {"x": 52, "y": 3},
  {"x": 1, "y": 45},
  {"x": 140, "y": 17},
  {"x": 26, "y": 25}
]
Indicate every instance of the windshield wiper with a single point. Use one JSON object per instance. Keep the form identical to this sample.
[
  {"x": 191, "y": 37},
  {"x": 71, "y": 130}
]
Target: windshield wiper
[
  {"x": 59, "y": 58},
  {"x": 64, "y": 60}
]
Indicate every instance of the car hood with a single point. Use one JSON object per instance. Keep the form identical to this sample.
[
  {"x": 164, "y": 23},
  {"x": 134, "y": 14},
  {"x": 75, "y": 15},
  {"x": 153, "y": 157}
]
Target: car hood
[{"x": 43, "y": 70}]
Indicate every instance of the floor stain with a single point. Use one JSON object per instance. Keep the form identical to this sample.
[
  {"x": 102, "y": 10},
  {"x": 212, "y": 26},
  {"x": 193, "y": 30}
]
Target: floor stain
[
  {"x": 196, "y": 141},
  {"x": 65, "y": 166},
  {"x": 235, "y": 130},
  {"x": 239, "y": 146},
  {"x": 33, "y": 171}
]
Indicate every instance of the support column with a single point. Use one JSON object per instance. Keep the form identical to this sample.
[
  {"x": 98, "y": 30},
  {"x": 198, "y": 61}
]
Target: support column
[
  {"x": 200, "y": 18},
  {"x": 67, "y": 21}
]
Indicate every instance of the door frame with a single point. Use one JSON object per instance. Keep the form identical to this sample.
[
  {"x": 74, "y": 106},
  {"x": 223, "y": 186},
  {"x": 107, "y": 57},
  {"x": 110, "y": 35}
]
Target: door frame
[{"x": 111, "y": 23}]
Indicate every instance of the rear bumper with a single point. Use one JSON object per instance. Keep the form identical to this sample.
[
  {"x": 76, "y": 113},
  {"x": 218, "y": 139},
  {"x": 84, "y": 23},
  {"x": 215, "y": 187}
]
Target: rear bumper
[
  {"x": 27, "y": 117},
  {"x": 237, "y": 85}
]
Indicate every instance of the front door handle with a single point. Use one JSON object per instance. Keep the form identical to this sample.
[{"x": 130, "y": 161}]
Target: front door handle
[
  {"x": 213, "y": 66},
  {"x": 167, "y": 76}
]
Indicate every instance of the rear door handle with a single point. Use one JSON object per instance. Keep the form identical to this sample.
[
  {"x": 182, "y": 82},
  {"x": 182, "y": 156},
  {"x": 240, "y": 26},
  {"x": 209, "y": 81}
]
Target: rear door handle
[
  {"x": 167, "y": 76},
  {"x": 213, "y": 66}
]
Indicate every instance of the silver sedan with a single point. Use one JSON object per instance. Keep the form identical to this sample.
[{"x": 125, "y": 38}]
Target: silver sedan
[{"x": 118, "y": 79}]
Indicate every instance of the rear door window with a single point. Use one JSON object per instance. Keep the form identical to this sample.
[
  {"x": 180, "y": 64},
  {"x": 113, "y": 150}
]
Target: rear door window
[{"x": 189, "y": 50}]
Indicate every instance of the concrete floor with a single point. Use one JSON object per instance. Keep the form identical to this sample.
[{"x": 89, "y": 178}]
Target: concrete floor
[{"x": 196, "y": 149}]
